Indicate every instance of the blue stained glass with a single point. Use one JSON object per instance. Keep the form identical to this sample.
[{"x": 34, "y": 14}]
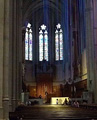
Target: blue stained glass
[
  {"x": 46, "y": 47},
  {"x": 26, "y": 45},
  {"x": 61, "y": 46},
  {"x": 56, "y": 47},
  {"x": 40, "y": 47},
  {"x": 30, "y": 46},
  {"x": 43, "y": 43},
  {"x": 58, "y": 43}
]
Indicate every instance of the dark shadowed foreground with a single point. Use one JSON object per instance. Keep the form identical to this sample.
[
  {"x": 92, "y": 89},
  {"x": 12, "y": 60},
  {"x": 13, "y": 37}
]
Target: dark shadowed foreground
[{"x": 53, "y": 112}]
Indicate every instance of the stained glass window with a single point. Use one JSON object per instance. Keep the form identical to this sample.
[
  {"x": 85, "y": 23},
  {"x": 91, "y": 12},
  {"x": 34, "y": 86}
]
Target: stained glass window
[
  {"x": 43, "y": 43},
  {"x": 58, "y": 43},
  {"x": 46, "y": 45},
  {"x": 40, "y": 46},
  {"x": 61, "y": 45},
  {"x": 28, "y": 43}
]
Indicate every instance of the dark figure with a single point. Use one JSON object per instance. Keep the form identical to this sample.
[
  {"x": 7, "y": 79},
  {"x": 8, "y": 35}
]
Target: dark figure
[
  {"x": 69, "y": 101},
  {"x": 65, "y": 101},
  {"x": 46, "y": 93},
  {"x": 57, "y": 101},
  {"x": 76, "y": 104},
  {"x": 40, "y": 96}
]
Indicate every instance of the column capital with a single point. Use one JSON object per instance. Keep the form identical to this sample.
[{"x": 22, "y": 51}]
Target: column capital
[{"x": 6, "y": 99}]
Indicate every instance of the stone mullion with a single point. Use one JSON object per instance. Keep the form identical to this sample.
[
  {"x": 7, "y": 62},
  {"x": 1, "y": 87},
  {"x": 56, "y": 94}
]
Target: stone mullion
[
  {"x": 43, "y": 45},
  {"x": 33, "y": 48},
  {"x": 52, "y": 42},
  {"x": 37, "y": 41}
]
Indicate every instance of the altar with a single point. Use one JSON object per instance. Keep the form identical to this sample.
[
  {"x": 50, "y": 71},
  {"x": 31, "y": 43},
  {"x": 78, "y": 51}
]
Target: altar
[{"x": 58, "y": 100}]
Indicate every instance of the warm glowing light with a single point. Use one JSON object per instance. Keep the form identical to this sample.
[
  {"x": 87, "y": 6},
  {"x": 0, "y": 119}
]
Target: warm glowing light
[
  {"x": 60, "y": 100},
  {"x": 34, "y": 89}
]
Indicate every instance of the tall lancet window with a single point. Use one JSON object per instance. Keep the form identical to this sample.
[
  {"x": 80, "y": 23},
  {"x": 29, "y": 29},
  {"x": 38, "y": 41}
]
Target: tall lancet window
[
  {"x": 43, "y": 43},
  {"x": 58, "y": 43},
  {"x": 28, "y": 43}
]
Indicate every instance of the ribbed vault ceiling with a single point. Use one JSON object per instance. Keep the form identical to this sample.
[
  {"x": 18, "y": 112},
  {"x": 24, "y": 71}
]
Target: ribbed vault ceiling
[{"x": 33, "y": 11}]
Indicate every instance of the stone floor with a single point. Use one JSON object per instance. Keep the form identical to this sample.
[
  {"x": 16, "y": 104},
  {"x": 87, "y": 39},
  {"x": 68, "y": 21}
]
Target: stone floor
[{"x": 58, "y": 112}]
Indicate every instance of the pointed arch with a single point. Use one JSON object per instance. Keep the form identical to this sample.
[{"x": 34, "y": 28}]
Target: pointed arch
[
  {"x": 43, "y": 43},
  {"x": 28, "y": 43},
  {"x": 58, "y": 43}
]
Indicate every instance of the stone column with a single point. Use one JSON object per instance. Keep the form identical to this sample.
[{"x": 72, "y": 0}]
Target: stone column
[
  {"x": 15, "y": 50},
  {"x": 23, "y": 55},
  {"x": 75, "y": 41},
  {"x": 14, "y": 55},
  {"x": 37, "y": 41},
  {"x": 52, "y": 41},
  {"x": 1, "y": 55},
  {"x": 19, "y": 49},
  {"x": 90, "y": 46},
  {"x": 34, "y": 47},
  {"x": 20, "y": 46},
  {"x": 95, "y": 43},
  {"x": 10, "y": 59},
  {"x": 6, "y": 60}
]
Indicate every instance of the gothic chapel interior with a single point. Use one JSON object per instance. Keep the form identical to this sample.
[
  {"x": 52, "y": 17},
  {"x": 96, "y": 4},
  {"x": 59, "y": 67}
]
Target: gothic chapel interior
[{"x": 47, "y": 47}]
